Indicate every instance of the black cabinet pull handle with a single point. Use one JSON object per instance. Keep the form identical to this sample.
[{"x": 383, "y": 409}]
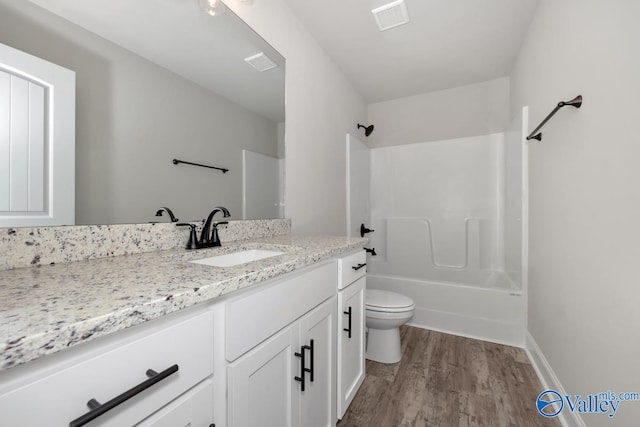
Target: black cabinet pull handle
[
  {"x": 359, "y": 266},
  {"x": 348, "y": 329},
  {"x": 98, "y": 409},
  {"x": 303, "y": 367},
  {"x": 310, "y": 370},
  {"x": 301, "y": 355}
]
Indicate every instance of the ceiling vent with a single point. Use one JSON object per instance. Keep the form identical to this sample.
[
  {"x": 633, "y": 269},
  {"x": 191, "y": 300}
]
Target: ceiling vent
[
  {"x": 391, "y": 15},
  {"x": 261, "y": 62}
]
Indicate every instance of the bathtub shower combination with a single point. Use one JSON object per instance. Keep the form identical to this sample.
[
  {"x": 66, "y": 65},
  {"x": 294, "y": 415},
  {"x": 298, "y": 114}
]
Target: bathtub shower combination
[{"x": 450, "y": 221}]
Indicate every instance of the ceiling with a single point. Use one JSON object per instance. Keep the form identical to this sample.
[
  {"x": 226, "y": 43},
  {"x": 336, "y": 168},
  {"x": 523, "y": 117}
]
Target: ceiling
[
  {"x": 179, "y": 36},
  {"x": 447, "y": 43}
]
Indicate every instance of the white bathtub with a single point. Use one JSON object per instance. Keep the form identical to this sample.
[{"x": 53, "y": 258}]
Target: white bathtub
[{"x": 484, "y": 304}]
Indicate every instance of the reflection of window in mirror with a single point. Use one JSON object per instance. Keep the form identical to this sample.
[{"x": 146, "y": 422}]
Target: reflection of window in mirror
[{"x": 139, "y": 106}]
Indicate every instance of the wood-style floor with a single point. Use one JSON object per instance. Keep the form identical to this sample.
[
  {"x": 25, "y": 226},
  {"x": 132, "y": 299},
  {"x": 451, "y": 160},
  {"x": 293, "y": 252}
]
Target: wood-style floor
[{"x": 446, "y": 380}]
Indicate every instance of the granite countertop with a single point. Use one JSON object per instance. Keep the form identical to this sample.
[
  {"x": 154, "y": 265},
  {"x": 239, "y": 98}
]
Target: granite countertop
[{"x": 50, "y": 308}]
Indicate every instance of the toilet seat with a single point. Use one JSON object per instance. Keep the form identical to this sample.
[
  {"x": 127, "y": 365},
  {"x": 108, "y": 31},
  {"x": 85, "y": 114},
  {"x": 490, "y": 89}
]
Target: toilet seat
[{"x": 387, "y": 302}]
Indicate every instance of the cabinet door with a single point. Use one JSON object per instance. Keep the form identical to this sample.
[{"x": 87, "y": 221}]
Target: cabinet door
[
  {"x": 351, "y": 361},
  {"x": 194, "y": 408},
  {"x": 262, "y": 389},
  {"x": 317, "y": 402}
]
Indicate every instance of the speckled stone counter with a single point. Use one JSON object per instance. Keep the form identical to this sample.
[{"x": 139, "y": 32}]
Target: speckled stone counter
[
  {"x": 49, "y": 308},
  {"x": 24, "y": 247}
]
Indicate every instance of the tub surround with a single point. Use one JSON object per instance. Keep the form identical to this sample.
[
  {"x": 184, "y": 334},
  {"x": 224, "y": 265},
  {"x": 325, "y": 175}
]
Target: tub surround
[
  {"x": 487, "y": 313},
  {"x": 24, "y": 247},
  {"x": 50, "y": 308}
]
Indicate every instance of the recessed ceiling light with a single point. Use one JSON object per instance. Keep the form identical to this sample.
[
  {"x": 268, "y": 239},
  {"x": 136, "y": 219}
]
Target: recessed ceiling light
[
  {"x": 261, "y": 62},
  {"x": 391, "y": 15}
]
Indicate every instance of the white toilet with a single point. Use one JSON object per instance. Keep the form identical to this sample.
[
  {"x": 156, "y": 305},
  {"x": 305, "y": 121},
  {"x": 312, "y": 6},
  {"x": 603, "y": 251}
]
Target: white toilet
[{"x": 386, "y": 312}]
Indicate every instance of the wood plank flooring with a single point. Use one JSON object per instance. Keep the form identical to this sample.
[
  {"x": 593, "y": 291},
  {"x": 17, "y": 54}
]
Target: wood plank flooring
[{"x": 446, "y": 380}]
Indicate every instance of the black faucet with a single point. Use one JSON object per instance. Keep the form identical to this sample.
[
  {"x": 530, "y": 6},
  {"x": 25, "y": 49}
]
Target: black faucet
[
  {"x": 168, "y": 211},
  {"x": 209, "y": 236}
]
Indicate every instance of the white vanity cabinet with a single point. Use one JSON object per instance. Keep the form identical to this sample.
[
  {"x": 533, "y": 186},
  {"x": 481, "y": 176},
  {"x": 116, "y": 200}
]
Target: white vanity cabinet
[
  {"x": 287, "y": 353},
  {"x": 351, "y": 328},
  {"x": 281, "y": 352},
  {"x": 56, "y": 391}
]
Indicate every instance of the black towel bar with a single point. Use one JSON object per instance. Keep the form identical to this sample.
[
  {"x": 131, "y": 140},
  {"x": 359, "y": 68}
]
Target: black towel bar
[
  {"x": 575, "y": 102},
  {"x": 176, "y": 161}
]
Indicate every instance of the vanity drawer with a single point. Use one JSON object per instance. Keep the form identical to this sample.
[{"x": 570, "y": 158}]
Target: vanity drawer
[
  {"x": 351, "y": 268},
  {"x": 60, "y": 397},
  {"x": 253, "y": 318}
]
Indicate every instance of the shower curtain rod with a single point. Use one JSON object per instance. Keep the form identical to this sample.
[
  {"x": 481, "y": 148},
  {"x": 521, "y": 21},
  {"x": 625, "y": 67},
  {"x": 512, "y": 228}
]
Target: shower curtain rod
[{"x": 575, "y": 102}]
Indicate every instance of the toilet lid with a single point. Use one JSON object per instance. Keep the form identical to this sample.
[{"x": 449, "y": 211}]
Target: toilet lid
[{"x": 378, "y": 300}]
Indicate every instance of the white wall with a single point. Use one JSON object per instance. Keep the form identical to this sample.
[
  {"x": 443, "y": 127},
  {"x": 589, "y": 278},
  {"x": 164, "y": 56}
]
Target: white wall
[
  {"x": 322, "y": 107},
  {"x": 478, "y": 109},
  {"x": 584, "y": 284}
]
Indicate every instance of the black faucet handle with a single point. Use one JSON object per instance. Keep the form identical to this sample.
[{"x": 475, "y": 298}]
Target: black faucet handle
[
  {"x": 193, "y": 237},
  {"x": 215, "y": 238},
  {"x": 364, "y": 230}
]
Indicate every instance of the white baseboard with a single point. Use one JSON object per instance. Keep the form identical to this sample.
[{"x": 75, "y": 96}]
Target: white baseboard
[
  {"x": 470, "y": 327},
  {"x": 549, "y": 380}
]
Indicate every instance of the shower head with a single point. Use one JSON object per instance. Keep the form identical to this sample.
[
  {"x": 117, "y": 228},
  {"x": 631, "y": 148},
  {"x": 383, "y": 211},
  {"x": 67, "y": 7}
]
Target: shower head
[{"x": 367, "y": 129}]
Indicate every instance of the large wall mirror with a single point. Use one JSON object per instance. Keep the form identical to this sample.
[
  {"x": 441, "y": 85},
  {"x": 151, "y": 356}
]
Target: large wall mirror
[{"x": 158, "y": 80}]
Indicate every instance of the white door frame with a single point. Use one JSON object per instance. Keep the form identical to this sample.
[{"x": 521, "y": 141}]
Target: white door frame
[{"x": 59, "y": 139}]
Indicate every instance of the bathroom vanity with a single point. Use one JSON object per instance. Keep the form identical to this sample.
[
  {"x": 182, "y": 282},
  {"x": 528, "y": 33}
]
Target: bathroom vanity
[{"x": 154, "y": 339}]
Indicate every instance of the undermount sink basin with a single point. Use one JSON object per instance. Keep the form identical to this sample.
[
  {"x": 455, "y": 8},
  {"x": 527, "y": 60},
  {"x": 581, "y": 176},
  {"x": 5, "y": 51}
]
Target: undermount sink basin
[{"x": 237, "y": 258}]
